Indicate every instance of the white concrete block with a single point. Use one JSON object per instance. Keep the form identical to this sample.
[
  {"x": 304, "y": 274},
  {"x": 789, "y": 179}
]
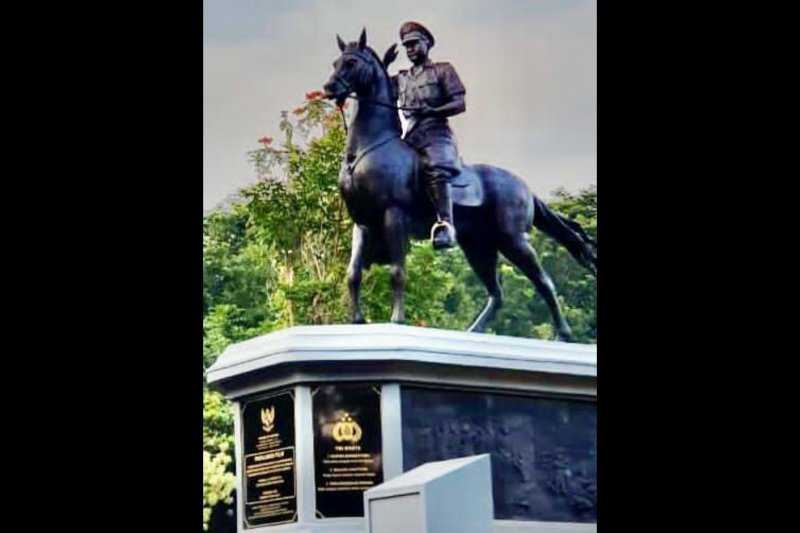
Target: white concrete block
[{"x": 437, "y": 497}]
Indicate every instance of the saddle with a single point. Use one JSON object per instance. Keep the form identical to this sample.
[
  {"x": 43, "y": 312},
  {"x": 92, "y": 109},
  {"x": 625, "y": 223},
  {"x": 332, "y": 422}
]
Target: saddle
[{"x": 466, "y": 188}]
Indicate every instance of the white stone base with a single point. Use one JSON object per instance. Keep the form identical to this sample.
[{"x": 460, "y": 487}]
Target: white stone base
[{"x": 393, "y": 355}]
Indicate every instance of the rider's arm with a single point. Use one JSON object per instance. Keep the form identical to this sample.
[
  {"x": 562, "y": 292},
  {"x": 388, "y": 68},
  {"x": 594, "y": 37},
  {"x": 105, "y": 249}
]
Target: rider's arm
[
  {"x": 453, "y": 91},
  {"x": 455, "y": 106}
]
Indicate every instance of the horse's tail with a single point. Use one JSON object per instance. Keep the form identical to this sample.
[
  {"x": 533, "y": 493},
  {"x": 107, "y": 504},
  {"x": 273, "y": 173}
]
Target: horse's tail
[{"x": 568, "y": 233}]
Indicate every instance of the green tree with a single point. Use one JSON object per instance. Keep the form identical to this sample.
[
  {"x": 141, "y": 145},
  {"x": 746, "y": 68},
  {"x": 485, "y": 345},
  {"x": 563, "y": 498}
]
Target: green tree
[{"x": 218, "y": 477}]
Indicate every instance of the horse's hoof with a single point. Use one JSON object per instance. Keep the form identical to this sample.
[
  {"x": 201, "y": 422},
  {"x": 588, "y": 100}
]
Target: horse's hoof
[{"x": 359, "y": 320}]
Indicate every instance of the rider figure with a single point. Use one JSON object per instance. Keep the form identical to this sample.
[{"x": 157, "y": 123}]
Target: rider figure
[{"x": 437, "y": 92}]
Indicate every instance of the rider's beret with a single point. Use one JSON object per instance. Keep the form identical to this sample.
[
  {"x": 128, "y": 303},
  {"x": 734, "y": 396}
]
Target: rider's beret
[{"x": 413, "y": 30}]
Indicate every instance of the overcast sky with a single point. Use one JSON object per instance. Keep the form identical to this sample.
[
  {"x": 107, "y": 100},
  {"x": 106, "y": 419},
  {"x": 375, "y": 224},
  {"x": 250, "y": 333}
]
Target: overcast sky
[{"x": 529, "y": 67}]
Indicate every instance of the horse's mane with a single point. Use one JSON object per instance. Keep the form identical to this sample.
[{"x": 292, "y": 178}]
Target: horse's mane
[
  {"x": 379, "y": 60},
  {"x": 352, "y": 47},
  {"x": 383, "y": 68}
]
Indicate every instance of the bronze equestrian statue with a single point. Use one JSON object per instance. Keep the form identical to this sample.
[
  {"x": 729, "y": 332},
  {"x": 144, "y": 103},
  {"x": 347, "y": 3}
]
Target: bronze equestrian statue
[{"x": 382, "y": 177}]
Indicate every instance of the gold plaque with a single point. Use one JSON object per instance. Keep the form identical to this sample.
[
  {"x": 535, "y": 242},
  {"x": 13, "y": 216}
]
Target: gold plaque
[
  {"x": 347, "y": 447},
  {"x": 268, "y": 481}
]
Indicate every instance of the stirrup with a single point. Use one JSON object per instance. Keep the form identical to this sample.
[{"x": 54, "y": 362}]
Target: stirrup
[{"x": 442, "y": 224}]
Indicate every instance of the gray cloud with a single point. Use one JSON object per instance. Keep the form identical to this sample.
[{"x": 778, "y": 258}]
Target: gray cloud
[{"x": 529, "y": 67}]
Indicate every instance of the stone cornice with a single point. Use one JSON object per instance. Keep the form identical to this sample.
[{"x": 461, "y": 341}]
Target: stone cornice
[{"x": 372, "y": 343}]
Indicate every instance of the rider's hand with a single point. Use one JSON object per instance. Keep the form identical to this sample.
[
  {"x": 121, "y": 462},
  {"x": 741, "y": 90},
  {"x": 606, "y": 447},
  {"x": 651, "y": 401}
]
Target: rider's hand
[{"x": 426, "y": 111}]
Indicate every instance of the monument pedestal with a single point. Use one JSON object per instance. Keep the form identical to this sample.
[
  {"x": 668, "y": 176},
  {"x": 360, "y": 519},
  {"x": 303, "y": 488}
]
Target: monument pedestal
[{"x": 323, "y": 413}]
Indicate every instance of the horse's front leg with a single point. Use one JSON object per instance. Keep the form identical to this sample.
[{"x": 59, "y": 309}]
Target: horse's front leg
[
  {"x": 354, "y": 270},
  {"x": 396, "y": 243}
]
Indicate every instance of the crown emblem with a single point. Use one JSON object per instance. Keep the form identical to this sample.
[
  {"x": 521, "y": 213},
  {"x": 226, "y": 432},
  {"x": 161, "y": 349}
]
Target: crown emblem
[
  {"x": 268, "y": 419},
  {"x": 346, "y": 430}
]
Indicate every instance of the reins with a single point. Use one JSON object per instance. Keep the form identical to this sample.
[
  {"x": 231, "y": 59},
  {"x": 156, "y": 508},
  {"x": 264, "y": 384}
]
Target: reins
[
  {"x": 384, "y": 104},
  {"x": 352, "y": 166},
  {"x": 371, "y": 101}
]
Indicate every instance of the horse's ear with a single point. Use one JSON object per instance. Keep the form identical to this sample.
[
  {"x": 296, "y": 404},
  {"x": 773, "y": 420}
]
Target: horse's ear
[
  {"x": 390, "y": 55},
  {"x": 362, "y": 41},
  {"x": 340, "y": 42}
]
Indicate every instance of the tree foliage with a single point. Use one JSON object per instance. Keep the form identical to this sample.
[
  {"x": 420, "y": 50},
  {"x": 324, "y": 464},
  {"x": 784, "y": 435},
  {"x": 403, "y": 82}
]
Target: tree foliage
[
  {"x": 279, "y": 259},
  {"x": 218, "y": 477}
]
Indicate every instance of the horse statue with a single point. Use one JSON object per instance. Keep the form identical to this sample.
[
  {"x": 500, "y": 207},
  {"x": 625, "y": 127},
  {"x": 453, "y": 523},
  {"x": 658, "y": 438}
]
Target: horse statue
[{"x": 493, "y": 209}]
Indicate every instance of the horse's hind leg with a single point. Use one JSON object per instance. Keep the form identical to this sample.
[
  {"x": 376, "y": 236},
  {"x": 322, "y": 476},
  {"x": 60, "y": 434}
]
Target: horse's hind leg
[
  {"x": 396, "y": 240},
  {"x": 519, "y": 251},
  {"x": 354, "y": 270},
  {"x": 483, "y": 260}
]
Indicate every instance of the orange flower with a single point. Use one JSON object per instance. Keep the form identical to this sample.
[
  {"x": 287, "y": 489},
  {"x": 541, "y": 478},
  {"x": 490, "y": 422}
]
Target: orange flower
[
  {"x": 299, "y": 111},
  {"x": 265, "y": 140},
  {"x": 314, "y": 95}
]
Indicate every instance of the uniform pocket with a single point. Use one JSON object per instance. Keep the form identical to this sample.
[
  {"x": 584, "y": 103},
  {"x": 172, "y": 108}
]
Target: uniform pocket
[{"x": 429, "y": 91}]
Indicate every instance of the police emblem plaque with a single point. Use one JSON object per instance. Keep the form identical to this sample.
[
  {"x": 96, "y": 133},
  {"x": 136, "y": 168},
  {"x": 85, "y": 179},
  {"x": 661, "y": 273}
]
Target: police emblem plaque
[{"x": 347, "y": 447}]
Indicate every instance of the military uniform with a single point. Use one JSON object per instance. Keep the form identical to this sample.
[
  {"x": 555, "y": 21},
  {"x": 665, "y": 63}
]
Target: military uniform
[{"x": 433, "y": 85}]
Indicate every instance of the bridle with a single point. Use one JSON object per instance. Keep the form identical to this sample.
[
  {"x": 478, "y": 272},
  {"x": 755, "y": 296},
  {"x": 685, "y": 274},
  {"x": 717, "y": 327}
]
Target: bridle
[{"x": 349, "y": 88}]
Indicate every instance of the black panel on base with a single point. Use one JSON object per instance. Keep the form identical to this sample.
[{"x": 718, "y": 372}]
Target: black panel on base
[
  {"x": 347, "y": 447},
  {"x": 270, "y": 495}
]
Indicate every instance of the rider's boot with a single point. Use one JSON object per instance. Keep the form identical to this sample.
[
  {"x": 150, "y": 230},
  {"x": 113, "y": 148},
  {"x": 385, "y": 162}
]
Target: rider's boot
[{"x": 443, "y": 233}]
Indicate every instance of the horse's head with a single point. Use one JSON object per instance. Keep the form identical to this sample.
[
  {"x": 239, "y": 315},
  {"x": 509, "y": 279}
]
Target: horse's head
[{"x": 355, "y": 71}]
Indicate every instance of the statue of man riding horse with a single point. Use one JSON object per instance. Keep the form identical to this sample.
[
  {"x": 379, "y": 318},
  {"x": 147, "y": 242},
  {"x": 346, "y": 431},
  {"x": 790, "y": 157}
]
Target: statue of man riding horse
[
  {"x": 434, "y": 92},
  {"x": 386, "y": 177}
]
